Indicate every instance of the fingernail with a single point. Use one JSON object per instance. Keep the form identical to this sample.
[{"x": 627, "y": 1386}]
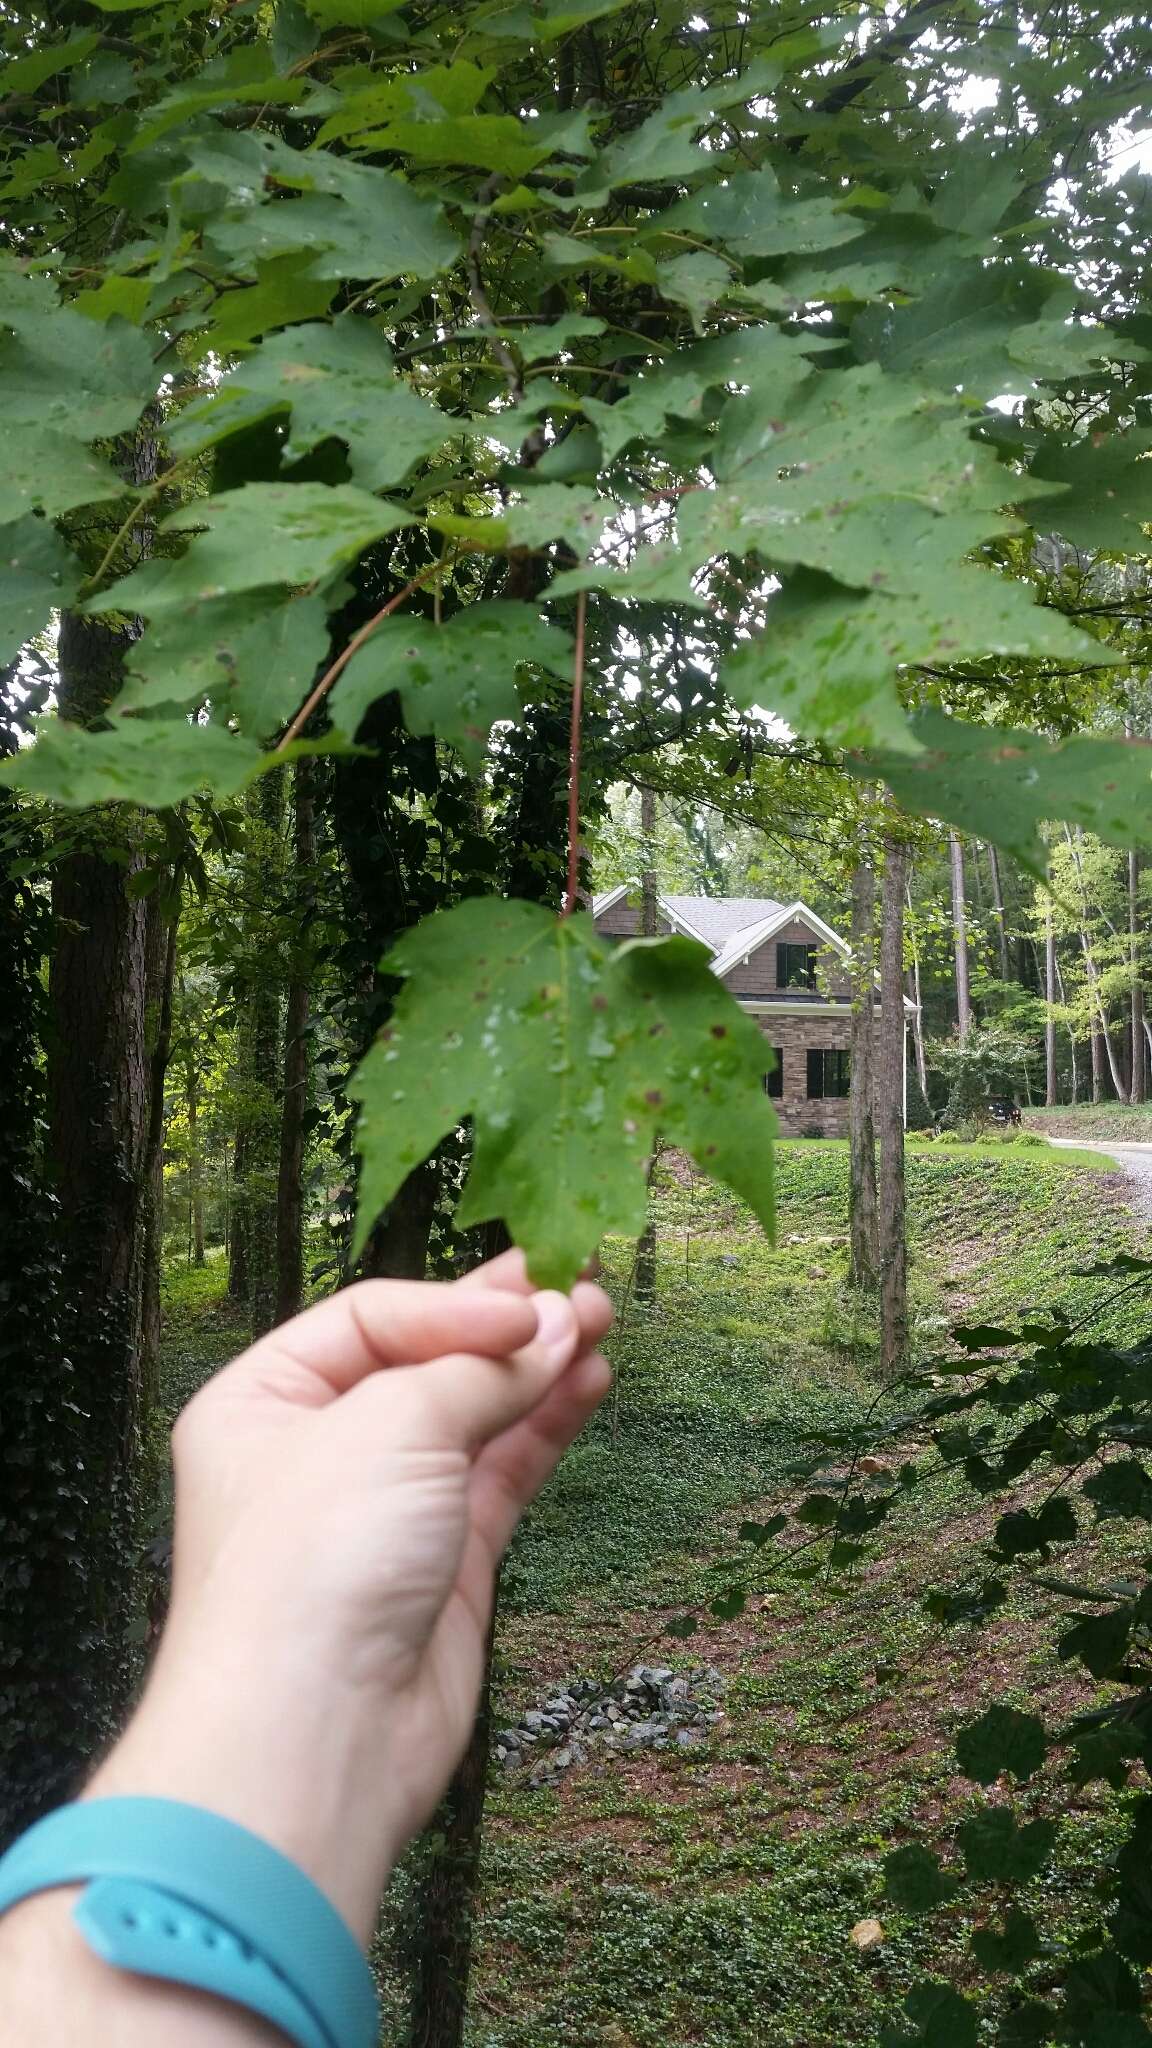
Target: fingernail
[{"x": 555, "y": 1324}]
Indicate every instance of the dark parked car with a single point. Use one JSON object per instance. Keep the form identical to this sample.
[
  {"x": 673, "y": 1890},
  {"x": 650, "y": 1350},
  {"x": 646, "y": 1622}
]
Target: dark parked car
[{"x": 1002, "y": 1110}]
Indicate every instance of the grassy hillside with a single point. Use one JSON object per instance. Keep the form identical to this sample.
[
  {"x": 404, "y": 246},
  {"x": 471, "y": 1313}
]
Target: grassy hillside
[{"x": 1094, "y": 1120}]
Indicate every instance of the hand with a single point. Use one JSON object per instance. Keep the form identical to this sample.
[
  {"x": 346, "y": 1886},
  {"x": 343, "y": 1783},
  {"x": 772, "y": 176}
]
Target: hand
[{"x": 344, "y": 1492}]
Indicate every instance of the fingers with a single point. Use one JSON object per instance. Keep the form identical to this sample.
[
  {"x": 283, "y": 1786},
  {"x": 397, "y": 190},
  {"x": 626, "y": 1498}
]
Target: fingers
[
  {"x": 459, "y": 1402},
  {"x": 509, "y": 1273},
  {"x": 330, "y": 1348},
  {"x": 513, "y": 1467}
]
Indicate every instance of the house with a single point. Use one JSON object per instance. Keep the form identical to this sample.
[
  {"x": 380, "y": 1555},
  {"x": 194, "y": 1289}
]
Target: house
[{"x": 787, "y": 968}]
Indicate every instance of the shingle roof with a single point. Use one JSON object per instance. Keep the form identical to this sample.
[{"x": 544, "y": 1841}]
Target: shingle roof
[{"x": 719, "y": 918}]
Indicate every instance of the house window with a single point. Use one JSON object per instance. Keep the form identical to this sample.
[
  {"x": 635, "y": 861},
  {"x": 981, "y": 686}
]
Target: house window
[
  {"x": 828, "y": 1072},
  {"x": 774, "y": 1082},
  {"x": 795, "y": 966}
]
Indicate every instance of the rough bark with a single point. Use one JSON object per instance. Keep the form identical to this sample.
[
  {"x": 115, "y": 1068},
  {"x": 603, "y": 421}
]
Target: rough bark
[
  {"x": 864, "y": 1245},
  {"x": 160, "y": 970},
  {"x": 890, "y": 1115},
  {"x": 97, "y": 1151},
  {"x": 644, "y": 1268},
  {"x": 1050, "y": 1013},
  {"x": 960, "y": 940},
  {"x": 238, "y": 1220},
  {"x": 448, "y": 1890},
  {"x": 289, "y": 1186}
]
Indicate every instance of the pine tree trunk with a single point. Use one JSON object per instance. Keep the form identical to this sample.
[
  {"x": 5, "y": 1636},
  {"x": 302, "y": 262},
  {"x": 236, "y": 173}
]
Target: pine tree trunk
[
  {"x": 864, "y": 1246},
  {"x": 1050, "y": 1015},
  {"x": 290, "y": 1189},
  {"x": 644, "y": 1267},
  {"x": 97, "y": 1150},
  {"x": 890, "y": 1115},
  {"x": 960, "y": 940},
  {"x": 238, "y": 1221}
]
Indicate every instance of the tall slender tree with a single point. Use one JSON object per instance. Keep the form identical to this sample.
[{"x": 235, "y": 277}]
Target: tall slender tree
[
  {"x": 960, "y": 938},
  {"x": 864, "y": 1244},
  {"x": 891, "y": 1072}
]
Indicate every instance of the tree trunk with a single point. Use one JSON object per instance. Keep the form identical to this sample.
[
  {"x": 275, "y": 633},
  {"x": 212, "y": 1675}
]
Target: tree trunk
[
  {"x": 1139, "y": 1065},
  {"x": 195, "y": 1163},
  {"x": 97, "y": 1150},
  {"x": 960, "y": 940},
  {"x": 160, "y": 972},
  {"x": 289, "y": 1187},
  {"x": 238, "y": 1221},
  {"x": 50, "y": 1586},
  {"x": 890, "y": 1115},
  {"x": 448, "y": 1890},
  {"x": 864, "y": 1246},
  {"x": 1102, "y": 1047},
  {"x": 1050, "y": 999},
  {"x": 260, "y": 1058},
  {"x": 644, "y": 1267},
  {"x": 998, "y": 901},
  {"x": 918, "y": 999}
]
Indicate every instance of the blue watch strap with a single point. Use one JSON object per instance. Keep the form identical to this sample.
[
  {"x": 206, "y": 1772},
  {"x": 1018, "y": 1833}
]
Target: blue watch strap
[
  {"x": 193, "y": 1869},
  {"x": 138, "y": 1928}
]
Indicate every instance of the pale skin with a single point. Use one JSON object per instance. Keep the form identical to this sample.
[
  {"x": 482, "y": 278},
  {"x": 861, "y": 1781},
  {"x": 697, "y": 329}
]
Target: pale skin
[{"x": 344, "y": 1493}]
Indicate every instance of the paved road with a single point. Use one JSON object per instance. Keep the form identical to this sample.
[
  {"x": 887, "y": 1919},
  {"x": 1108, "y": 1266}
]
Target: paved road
[{"x": 1135, "y": 1158}]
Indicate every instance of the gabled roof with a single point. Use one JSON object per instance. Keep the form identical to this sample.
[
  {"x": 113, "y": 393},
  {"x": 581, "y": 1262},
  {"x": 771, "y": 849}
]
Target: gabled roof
[
  {"x": 730, "y": 926},
  {"x": 751, "y": 936}
]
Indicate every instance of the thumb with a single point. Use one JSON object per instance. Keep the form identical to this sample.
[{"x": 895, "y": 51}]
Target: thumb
[{"x": 461, "y": 1401}]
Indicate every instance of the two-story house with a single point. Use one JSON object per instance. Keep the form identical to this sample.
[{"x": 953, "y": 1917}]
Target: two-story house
[{"x": 784, "y": 965}]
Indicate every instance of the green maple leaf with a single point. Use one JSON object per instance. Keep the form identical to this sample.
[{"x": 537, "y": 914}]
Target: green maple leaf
[
  {"x": 664, "y": 146},
  {"x": 981, "y": 327},
  {"x": 253, "y": 657},
  {"x": 1001, "y": 784},
  {"x": 543, "y": 21},
  {"x": 47, "y": 471},
  {"x": 568, "y": 1056},
  {"x": 642, "y": 414},
  {"x": 1002, "y": 1740},
  {"x": 914, "y": 1881},
  {"x": 998, "y": 1850},
  {"x": 283, "y": 292},
  {"x": 353, "y": 219},
  {"x": 695, "y": 281},
  {"x": 336, "y": 382},
  {"x": 1009, "y": 1950},
  {"x": 827, "y": 657},
  {"x": 660, "y": 573},
  {"x": 556, "y": 512},
  {"x": 152, "y": 762},
  {"x": 942, "y": 2019},
  {"x": 455, "y": 680},
  {"x": 259, "y": 535},
  {"x": 750, "y": 215},
  {"x": 1106, "y": 499},
  {"x": 84, "y": 378},
  {"x": 38, "y": 574}
]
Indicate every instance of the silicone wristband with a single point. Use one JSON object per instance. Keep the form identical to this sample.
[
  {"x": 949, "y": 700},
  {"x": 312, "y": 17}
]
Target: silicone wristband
[{"x": 176, "y": 1892}]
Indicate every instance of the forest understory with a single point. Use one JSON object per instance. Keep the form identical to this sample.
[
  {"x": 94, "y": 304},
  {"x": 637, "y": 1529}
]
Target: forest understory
[{"x": 708, "y": 1895}]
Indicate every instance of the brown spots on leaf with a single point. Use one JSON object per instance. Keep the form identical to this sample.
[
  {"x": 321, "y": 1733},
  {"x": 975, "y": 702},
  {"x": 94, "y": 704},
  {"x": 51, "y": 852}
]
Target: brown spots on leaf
[
  {"x": 599, "y": 1002},
  {"x": 719, "y": 1031},
  {"x": 480, "y": 996},
  {"x": 654, "y": 1096},
  {"x": 655, "y": 1030}
]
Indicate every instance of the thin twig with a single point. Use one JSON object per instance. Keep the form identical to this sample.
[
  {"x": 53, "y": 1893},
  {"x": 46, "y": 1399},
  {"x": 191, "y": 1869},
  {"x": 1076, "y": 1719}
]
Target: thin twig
[
  {"x": 332, "y": 674},
  {"x": 510, "y": 364},
  {"x": 574, "y": 760}
]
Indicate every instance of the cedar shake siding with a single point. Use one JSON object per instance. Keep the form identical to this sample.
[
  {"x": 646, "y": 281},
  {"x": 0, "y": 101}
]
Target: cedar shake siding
[{"x": 800, "y": 997}]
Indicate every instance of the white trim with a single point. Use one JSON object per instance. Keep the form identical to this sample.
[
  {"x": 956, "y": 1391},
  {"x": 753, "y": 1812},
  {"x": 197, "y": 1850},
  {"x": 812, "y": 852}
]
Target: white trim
[
  {"x": 600, "y": 904},
  {"x": 743, "y": 944},
  {"x": 820, "y": 1006}
]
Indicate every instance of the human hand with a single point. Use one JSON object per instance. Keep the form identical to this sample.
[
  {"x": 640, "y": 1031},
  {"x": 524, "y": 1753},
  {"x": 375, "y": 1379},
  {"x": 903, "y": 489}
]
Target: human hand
[{"x": 344, "y": 1492}]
